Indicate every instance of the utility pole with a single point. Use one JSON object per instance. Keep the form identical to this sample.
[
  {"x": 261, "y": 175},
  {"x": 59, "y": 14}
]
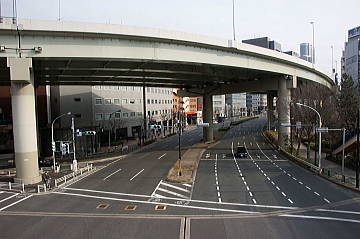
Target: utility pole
[
  {"x": 144, "y": 110},
  {"x": 234, "y": 19},
  {"x": 179, "y": 131}
]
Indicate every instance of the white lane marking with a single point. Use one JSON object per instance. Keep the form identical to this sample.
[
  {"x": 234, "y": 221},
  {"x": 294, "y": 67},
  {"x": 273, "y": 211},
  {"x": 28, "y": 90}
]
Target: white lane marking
[
  {"x": 250, "y": 194},
  {"x": 326, "y": 200},
  {"x": 9, "y": 197},
  {"x": 162, "y": 156},
  {"x": 1, "y": 192},
  {"x": 156, "y": 203},
  {"x": 137, "y": 174},
  {"x": 321, "y": 218},
  {"x": 277, "y": 188},
  {"x": 254, "y": 201},
  {"x": 338, "y": 211},
  {"x": 158, "y": 195},
  {"x": 172, "y": 193},
  {"x": 175, "y": 187},
  {"x": 308, "y": 187},
  {"x": 247, "y": 188},
  {"x": 272, "y": 183},
  {"x": 111, "y": 174},
  {"x": 218, "y": 193},
  {"x": 170, "y": 198},
  {"x": 317, "y": 193},
  {"x": 301, "y": 182},
  {"x": 290, "y": 201},
  {"x": 12, "y": 204},
  {"x": 283, "y": 194}
]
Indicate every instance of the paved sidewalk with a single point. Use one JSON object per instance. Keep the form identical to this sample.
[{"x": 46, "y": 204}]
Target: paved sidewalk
[{"x": 326, "y": 163}]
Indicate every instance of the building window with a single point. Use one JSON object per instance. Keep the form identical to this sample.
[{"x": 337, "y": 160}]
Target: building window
[
  {"x": 152, "y": 101},
  {"x": 132, "y": 101},
  {"x": 148, "y": 90},
  {"x": 124, "y": 101},
  {"x": 125, "y": 115},
  {"x": 98, "y": 101},
  {"x": 139, "y": 101},
  {"x": 148, "y": 101},
  {"x": 77, "y": 115},
  {"x": 155, "y": 101},
  {"x": 107, "y": 116},
  {"x": 139, "y": 113},
  {"x": 132, "y": 114},
  {"x": 99, "y": 116},
  {"x": 116, "y": 101},
  {"x": 77, "y": 99},
  {"x": 107, "y": 101},
  {"x": 117, "y": 115}
]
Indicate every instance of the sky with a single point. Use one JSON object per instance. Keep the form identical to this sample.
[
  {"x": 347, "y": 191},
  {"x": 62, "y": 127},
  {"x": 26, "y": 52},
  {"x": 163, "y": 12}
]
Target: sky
[{"x": 285, "y": 21}]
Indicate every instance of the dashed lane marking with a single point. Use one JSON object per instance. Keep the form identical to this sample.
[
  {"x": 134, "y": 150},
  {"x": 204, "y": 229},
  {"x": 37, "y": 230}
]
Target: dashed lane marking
[
  {"x": 111, "y": 174},
  {"x": 326, "y": 200},
  {"x": 137, "y": 174},
  {"x": 162, "y": 156}
]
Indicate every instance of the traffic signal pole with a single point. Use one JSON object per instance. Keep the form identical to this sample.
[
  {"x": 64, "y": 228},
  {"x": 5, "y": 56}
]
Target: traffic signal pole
[{"x": 73, "y": 138}]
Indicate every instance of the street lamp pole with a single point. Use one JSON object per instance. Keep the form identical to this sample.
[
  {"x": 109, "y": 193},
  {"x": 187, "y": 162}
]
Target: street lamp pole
[
  {"x": 318, "y": 114},
  {"x": 52, "y": 136},
  {"x": 234, "y": 19}
]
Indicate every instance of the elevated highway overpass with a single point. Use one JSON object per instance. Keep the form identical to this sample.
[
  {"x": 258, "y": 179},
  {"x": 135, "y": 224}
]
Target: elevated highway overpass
[{"x": 72, "y": 53}]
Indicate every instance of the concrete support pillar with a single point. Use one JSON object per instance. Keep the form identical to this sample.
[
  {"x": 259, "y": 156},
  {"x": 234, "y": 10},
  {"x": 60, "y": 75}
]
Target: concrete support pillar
[
  {"x": 24, "y": 120},
  {"x": 283, "y": 105},
  {"x": 208, "y": 134},
  {"x": 270, "y": 110}
]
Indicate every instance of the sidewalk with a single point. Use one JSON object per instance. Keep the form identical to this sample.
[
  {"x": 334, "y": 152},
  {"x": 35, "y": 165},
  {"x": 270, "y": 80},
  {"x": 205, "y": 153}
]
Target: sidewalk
[{"x": 327, "y": 164}]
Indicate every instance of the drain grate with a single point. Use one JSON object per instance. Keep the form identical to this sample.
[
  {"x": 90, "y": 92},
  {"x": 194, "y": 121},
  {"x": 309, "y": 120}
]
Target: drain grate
[
  {"x": 130, "y": 208},
  {"x": 160, "y": 207},
  {"x": 102, "y": 206}
]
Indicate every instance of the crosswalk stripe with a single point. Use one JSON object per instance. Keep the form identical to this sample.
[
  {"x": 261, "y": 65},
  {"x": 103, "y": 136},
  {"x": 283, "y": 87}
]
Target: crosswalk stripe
[
  {"x": 175, "y": 187},
  {"x": 172, "y": 193}
]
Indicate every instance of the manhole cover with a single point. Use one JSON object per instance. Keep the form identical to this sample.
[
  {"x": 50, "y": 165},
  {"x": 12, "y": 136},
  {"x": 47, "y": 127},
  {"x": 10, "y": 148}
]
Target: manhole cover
[
  {"x": 130, "y": 208},
  {"x": 102, "y": 206},
  {"x": 160, "y": 207}
]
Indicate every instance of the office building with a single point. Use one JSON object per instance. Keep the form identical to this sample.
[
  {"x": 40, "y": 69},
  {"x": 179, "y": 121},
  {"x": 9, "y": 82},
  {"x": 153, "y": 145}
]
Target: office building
[
  {"x": 306, "y": 52},
  {"x": 235, "y": 104},
  {"x": 350, "y": 63}
]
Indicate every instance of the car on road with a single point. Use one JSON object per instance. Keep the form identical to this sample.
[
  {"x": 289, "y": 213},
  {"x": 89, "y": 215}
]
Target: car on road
[{"x": 241, "y": 152}]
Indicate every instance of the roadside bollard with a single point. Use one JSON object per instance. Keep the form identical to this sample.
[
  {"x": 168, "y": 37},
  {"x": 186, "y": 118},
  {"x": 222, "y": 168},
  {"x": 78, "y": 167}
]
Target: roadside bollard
[
  {"x": 9, "y": 185},
  {"x": 38, "y": 188},
  {"x": 55, "y": 183},
  {"x": 23, "y": 187},
  {"x": 65, "y": 179},
  {"x": 81, "y": 171},
  {"x": 44, "y": 187}
]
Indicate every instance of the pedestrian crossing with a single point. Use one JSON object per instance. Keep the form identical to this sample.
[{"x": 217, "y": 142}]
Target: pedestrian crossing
[
  {"x": 173, "y": 190},
  {"x": 8, "y": 199}
]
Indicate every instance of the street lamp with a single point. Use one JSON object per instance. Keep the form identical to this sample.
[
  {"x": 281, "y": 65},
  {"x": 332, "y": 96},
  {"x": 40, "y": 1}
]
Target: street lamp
[
  {"x": 52, "y": 136},
  {"x": 109, "y": 125},
  {"x": 318, "y": 114},
  {"x": 233, "y": 8}
]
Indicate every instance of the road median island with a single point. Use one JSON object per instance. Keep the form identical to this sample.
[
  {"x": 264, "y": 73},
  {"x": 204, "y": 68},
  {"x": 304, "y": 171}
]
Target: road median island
[{"x": 191, "y": 158}]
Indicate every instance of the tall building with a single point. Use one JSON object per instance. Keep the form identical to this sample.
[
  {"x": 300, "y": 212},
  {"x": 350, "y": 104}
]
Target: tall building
[
  {"x": 306, "y": 52},
  {"x": 351, "y": 55},
  {"x": 235, "y": 104},
  {"x": 256, "y": 103}
]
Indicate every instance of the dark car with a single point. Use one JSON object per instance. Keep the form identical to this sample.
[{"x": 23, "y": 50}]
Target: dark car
[
  {"x": 45, "y": 162},
  {"x": 241, "y": 152}
]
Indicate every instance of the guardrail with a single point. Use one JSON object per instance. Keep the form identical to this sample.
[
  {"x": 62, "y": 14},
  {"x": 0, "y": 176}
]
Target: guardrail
[
  {"x": 70, "y": 176},
  {"x": 18, "y": 187}
]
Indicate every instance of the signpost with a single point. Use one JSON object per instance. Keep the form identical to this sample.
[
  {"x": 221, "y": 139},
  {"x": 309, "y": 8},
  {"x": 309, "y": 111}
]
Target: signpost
[{"x": 203, "y": 125}]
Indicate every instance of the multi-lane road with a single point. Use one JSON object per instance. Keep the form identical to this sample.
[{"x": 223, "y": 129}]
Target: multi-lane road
[{"x": 261, "y": 196}]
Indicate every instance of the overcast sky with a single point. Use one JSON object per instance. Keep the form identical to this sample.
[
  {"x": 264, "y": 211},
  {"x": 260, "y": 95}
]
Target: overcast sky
[{"x": 285, "y": 21}]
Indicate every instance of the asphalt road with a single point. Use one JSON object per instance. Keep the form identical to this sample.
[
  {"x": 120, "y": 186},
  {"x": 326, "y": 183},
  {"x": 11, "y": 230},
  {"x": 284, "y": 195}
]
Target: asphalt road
[{"x": 261, "y": 196}]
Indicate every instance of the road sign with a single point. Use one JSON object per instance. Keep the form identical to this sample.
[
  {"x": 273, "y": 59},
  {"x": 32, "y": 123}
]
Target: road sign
[
  {"x": 322, "y": 130},
  {"x": 203, "y": 125},
  {"x": 285, "y": 124}
]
